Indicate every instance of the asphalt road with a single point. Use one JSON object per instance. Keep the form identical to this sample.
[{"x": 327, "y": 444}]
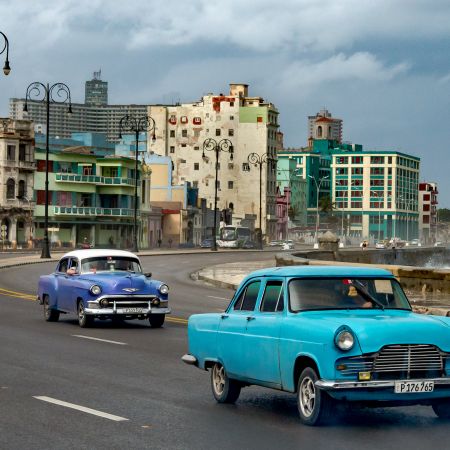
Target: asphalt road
[{"x": 139, "y": 377}]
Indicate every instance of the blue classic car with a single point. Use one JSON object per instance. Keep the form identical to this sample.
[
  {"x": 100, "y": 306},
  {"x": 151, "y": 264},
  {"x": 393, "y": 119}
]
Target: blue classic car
[
  {"x": 102, "y": 284},
  {"x": 327, "y": 334}
]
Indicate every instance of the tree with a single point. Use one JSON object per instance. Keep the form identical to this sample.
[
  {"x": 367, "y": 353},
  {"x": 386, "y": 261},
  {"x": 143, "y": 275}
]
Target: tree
[{"x": 326, "y": 205}]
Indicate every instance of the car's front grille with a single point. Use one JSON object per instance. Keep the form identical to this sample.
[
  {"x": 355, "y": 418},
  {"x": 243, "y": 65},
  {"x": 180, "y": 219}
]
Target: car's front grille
[
  {"x": 397, "y": 362},
  {"x": 408, "y": 361},
  {"x": 120, "y": 303}
]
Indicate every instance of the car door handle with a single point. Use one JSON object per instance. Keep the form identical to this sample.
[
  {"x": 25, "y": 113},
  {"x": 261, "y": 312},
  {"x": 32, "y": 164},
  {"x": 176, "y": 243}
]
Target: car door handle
[
  {"x": 224, "y": 316},
  {"x": 250, "y": 318}
]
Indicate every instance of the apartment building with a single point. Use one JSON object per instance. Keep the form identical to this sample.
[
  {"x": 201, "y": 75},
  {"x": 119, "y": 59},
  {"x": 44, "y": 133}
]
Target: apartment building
[
  {"x": 17, "y": 168},
  {"x": 324, "y": 126},
  {"x": 428, "y": 201},
  {"x": 377, "y": 191},
  {"x": 250, "y": 125}
]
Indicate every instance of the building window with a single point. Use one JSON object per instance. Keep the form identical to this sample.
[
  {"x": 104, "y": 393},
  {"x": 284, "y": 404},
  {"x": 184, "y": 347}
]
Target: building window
[
  {"x": 183, "y": 145},
  {"x": 10, "y": 188},
  {"x": 342, "y": 160},
  {"x": 319, "y": 131},
  {"x": 196, "y": 132},
  {"x": 357, "y": 171},
  {"x": 197, "y": 120},
  {"x": 231, "y": 117},
  {"x": 230, "y": 132},
  {"x": 231, "y": 104},
  {"x": 196, "y": 166},
  {"x": 184, "y": 119},
  {"x": 230, "y": 185},
  {"x": 172, "y": 149},
  {"x": 21, "y": 189},
  {"x": 184, "y": 133},
  {"x": 85, "y": 200},
  {"x": 217, "y": 131},
  {"x": 357, "y": 159},
  {"x": 172, "y": 133},
  {"x": 195, "y": 184},
  {"x": 22, "y": 152},
  {"x": 173, "y": 119},
  {"x": 11, "y": 153},
  {"x": 196, "y": 147},
  {"x": 377, "y": 160},
  {"x": 259, "y": 119}
]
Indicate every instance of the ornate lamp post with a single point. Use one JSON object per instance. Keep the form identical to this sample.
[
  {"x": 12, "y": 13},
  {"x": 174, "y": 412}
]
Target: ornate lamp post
[
  {"x": 211, "y": 145},
  {"x": 6, "y": 67},
  {"x": 45, "y": 93},
  {"x": 131, "y": 124},
  {"x": 258, "y": 161},
  {"x": 317, "y": 203}
]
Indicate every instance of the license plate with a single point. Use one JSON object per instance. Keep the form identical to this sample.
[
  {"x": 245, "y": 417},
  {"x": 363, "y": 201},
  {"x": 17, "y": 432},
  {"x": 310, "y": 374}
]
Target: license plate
[
  {"x": 412, "y": 387},
  {"x": 131, "y": 310}
]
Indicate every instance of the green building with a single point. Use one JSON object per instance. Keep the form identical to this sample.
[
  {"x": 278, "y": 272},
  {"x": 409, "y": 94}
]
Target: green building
[{"x": 91, "y": 196}]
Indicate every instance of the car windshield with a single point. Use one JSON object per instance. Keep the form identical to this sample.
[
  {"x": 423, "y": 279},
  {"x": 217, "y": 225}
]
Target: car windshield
[
  {"x": 346, "y": 293},
  {"x": 110, "y": 264}
]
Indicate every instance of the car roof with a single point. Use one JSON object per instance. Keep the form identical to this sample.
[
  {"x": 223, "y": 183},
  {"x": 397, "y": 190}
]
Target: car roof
[
  {"x": 321, "y": 271},
  {"x": 95, "y": 252}
]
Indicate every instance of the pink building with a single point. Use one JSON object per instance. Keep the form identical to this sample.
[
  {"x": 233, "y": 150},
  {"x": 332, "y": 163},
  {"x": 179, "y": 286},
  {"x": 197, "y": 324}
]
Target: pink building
[
  {"x": 428, "y": 212},
  {"x": 282, "y": 209}
]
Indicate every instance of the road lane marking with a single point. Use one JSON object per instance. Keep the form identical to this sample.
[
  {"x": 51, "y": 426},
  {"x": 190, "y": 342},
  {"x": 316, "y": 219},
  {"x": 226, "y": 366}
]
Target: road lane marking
[
  {"x": 81, "y": 408},
  {"x": 177, "y": 320},
  {"x": 97, "y": 339},
  {"x": 219, "y": 298}
]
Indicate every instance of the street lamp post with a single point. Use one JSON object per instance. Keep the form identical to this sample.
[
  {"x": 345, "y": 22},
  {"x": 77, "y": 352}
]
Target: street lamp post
[
  {"x": 211, "y": 145},
  {"x": 258, "y": 161},
  {"x": 317, "y": 202},
  {"x": 136, "y": 125},
  {"x": 6, "y": 67},
  {"x": 44, "y": 93}
]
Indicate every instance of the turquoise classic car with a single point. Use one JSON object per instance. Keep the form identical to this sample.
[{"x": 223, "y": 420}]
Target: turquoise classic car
[{"x": 328, "y": 334}]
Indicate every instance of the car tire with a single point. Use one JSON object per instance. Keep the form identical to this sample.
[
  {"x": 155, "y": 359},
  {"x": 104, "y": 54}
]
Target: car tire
[
  {"x": 84, "y": 320},
  {"x": 224, "y": 389},
  {"x": 315, "y": 406},
  {"x": 156, "y": 320},
  {"x": 50, "y": 315},
  {"x": 442, "y": 409}
]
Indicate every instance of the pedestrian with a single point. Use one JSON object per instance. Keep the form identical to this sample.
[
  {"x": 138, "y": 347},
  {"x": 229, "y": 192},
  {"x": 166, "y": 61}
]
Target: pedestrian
[
  {"x": 364, "y": 245},
  {"x": 170, "y": 242},
  {"x": 159, "y": 242}
]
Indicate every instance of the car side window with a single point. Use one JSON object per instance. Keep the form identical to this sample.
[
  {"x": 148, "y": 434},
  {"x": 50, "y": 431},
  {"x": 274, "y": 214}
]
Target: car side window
[
  {"x": 273, "y": 296},
  {"x": 238, "y": 303},
  {"x": 74, "y": 265},
  {"x": 63, "y": 264},
  {"x": 250, "y": 297}
]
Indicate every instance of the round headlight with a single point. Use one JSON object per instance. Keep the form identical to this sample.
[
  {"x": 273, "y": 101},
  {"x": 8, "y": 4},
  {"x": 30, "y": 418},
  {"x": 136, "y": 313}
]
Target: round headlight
[
  {"x": 344, "y": 340},
  {"x": 95, "y": 290},
  {"x": 164, "y": 289}
]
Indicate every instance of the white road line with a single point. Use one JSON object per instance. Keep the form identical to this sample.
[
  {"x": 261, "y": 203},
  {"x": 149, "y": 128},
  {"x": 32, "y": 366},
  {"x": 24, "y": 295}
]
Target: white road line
[
  {"x": 97, "y": 339},
  {"x": 219, "y": 298},
  {"x": 80, "y": 408}
]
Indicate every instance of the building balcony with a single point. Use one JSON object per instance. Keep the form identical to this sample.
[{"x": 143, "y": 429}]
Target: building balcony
[
  {"x": 27, "y": 165},
  {"x": 94, "y": 179},
  {"x": 92, "y": 211}
]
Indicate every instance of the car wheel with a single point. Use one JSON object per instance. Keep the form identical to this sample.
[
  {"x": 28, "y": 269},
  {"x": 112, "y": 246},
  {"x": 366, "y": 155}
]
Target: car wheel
[
  {"x": 442, "y": 409},
  {"x": 84, "y": 320},
  {"x": 225, "y": 390},
  {"x": 50, "y": 315},
  {"x": 156, "y": 320},
  {"x": 315, "y": 407}
]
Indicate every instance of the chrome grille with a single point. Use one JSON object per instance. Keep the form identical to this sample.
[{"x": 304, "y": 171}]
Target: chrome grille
[
  {"x": 408, "y": 358},
  {"x": 356, "y": 364}
]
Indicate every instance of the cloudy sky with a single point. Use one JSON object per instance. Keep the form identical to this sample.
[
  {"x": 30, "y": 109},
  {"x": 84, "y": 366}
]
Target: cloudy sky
[{"x": 380, "y": 65}]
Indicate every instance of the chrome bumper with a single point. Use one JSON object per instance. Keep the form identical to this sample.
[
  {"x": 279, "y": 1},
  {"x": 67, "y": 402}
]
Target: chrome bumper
[
  {"x": 333, "y": 385},
  {"x": 119, "y": 312},
  {"x": 189, "y": 359}
]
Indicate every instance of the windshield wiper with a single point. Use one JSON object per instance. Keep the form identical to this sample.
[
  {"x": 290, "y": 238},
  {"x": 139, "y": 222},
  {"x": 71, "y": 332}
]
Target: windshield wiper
[{"x": 363, "y": 291}]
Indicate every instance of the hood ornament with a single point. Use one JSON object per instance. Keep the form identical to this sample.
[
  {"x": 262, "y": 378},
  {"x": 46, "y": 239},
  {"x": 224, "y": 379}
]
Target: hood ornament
[{"x": 130, "y": 289}]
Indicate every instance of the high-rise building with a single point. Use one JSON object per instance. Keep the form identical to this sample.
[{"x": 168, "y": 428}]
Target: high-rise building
[
  {"x": 94, "y": 116},
  {"x": 96, "y": 91},
  {"x": 324, "y": 126},
  {"x": 250, "y": 124}
]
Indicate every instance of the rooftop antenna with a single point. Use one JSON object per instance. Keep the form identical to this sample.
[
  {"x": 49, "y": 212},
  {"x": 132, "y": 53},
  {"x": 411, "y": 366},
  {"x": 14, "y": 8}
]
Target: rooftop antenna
[{"x": 98, "y": 75}]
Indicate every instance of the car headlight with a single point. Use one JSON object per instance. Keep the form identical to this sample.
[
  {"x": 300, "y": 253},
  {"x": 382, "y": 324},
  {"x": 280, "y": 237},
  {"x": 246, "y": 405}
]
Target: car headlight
[
  {"x": 95, "y": 289},
  {"x": 164, "y": 289},
  {"x": 344, "y": 340}
]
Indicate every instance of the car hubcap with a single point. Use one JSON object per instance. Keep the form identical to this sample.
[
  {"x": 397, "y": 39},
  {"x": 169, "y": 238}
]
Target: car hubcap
[
  {"x": 81, "y": 313},
  {"x": 307, "y": 396},
  {"x": 219, "y": 379}
]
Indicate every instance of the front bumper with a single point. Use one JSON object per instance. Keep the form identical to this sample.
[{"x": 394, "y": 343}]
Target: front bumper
[{"x": 334, "y": 385}]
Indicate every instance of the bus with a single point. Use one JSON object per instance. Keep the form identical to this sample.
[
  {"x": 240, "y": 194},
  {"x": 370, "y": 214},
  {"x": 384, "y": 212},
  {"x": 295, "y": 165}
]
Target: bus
[{"x": 233, "y": 236}]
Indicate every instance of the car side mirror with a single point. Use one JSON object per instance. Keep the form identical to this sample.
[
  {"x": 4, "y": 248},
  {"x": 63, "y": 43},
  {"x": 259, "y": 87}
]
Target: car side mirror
[{"x": 148, "y": 274}]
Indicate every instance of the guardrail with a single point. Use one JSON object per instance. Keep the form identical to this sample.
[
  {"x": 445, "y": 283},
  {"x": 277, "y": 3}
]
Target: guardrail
[{"x": 94, "y": 179}]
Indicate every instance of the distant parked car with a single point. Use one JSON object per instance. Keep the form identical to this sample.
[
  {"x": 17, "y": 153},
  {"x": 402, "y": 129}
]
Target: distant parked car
[
  {"x": 414, "y": 243},
  {"x": 287, "y": 245},
  {"x": 438, "y": 243},
  {"x": 102, "y": 284},
  {"x": 380, "y": 244},
  {"x": 207, "y": 243},
  {"x": 326, "y": 334},
  {"x": 275, "y": 243}
]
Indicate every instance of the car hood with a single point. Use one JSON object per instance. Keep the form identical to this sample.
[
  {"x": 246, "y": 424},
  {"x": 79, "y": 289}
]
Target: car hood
[
  {"x": 377, "y": 328},
  {"x": 121, "y": 283}
]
